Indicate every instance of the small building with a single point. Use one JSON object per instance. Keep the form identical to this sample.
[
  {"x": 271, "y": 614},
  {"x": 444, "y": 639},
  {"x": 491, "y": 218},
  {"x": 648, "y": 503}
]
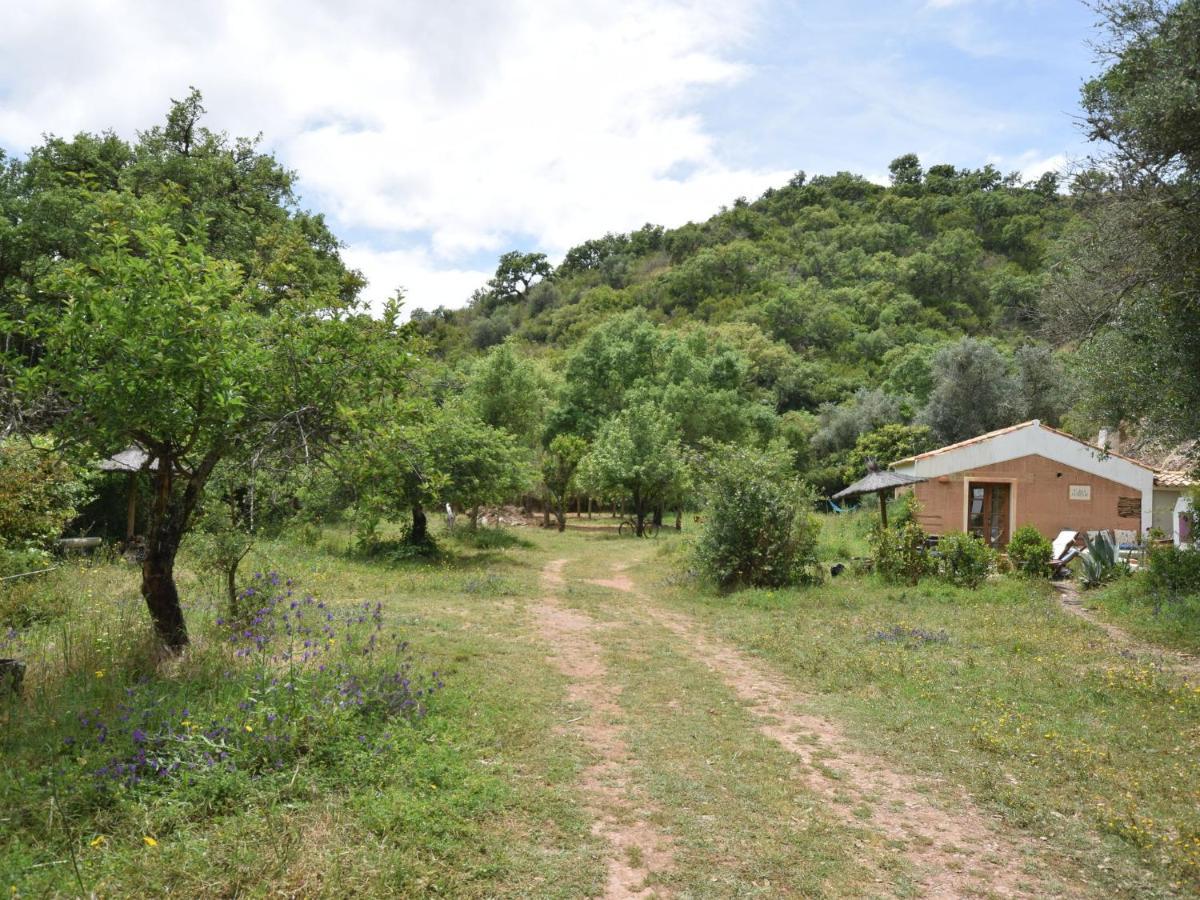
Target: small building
[{"x": 1032, "y": 474}]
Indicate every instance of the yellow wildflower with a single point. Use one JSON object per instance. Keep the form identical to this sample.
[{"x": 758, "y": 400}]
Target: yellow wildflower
[
  {"x": 97, "y": 840},
  {"x": 150, "y": 842}
]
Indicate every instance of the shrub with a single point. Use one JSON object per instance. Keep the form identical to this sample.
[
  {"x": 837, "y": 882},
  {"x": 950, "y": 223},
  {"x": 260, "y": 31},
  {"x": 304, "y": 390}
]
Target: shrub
[
  {"x": 1029, "y": 552},
  {"x": 758, "y": 530},
  {"x": 1173, "y": 573},
  {"x": 900, "y": 553},
  {"x": 487, "y": 538},
  {"x": 39, "y": 495},
  {"x": 964, "y": 559}
]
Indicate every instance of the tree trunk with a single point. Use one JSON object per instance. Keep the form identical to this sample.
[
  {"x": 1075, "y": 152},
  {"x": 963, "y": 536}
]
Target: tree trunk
[
  {"x": 589, "y": 507},
  {"x": 420, "y": 526},
  {"x": 679, "y": 518},
  {"x": 231, "y": 587},
  {"x": 658, "y": 514},
  {"x": 169, "y": 519},
  {"x": 158, "y": 588},
  {"x": 560, "y": 513},
  {"x": 545, "y": 512},
  {"x": 639, "y": 512}
]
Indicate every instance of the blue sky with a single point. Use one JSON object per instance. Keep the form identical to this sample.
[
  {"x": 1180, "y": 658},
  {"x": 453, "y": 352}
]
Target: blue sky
[{"x": 436, "y": 137}]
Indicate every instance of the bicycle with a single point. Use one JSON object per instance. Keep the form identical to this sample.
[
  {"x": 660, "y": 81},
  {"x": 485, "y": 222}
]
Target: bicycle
[{"x": 628, "y": 528}]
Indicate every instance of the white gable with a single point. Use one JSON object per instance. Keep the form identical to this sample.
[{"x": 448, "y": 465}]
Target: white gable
[
  {"x": 1034, "y": 439},
  {"x": 1031, "y": 440}
]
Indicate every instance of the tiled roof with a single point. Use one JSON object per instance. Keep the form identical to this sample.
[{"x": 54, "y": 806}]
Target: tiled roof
[{"x": 1176, "y": 478}]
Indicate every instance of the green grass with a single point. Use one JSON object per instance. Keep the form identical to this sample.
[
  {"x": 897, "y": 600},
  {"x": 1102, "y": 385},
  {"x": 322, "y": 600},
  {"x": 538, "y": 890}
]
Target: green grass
[
  {"x": 994, "y": 691},
  {"x": 1173, "y": 623},
  {"x": 1026, "y": 707},
  {"x": 476, "y": 798}
]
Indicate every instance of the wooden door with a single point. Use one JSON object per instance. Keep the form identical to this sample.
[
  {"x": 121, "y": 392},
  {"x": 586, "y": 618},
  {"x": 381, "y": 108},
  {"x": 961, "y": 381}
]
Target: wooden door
[{"x": 988, "y": 508}]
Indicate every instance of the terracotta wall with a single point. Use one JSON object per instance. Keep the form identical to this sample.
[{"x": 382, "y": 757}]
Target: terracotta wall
[{"x": 1040, "y": 497}]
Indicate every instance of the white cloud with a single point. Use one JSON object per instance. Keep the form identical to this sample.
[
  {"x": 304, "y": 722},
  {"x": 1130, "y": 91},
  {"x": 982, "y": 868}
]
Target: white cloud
[
  {"x": 422, "y": 281},
  {"x": 438, "y": 133},
  {"x": 1032, "y": 164}
]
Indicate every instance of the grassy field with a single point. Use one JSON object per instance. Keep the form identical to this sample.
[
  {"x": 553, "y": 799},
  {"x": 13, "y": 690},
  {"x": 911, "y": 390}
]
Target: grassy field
[
  {"x": 1174, "y": 623},
  {"x": 330, "y": 775}
]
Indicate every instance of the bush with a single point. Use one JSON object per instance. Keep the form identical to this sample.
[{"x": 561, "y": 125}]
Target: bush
[
  {"x": 758, "y": 530},
  {"x": 1173, "y": 573},
  {"x": 1029, "y": 552},
  {"x": 900, "y": 553},
  {"x": 39, "y": 494},
  {"x": 964, "y": 559}
]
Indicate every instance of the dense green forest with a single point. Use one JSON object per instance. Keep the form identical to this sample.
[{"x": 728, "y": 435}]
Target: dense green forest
[{"x": 835, "y": 309}]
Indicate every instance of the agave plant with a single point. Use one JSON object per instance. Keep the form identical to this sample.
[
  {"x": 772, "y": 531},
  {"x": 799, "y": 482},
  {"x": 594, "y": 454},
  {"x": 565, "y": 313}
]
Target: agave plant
[{"x": 1100, "y": 564}]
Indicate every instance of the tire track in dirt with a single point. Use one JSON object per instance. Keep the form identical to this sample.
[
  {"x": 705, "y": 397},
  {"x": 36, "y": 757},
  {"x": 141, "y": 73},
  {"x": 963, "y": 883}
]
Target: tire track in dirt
[
  {"x": 620, "y": 813},
  {"x": 955, "y": 852}
]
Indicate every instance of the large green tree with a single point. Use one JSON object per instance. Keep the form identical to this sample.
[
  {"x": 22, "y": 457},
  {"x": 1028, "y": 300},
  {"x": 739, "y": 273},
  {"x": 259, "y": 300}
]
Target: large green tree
[
  {"x": 170, "y": 294},
  {"x": 1125, "y": 289},
  {"x": 636, "y": 454},
  {"x": 560, "y": 461},
  {"x": 410, "y": 454}
]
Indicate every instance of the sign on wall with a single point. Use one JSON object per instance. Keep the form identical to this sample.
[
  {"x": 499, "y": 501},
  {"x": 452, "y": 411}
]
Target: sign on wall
[{"x": 1080, "y": 492}]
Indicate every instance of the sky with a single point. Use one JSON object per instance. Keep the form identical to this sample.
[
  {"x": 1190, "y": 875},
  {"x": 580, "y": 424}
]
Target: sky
[{"x": 437, "y": 135}]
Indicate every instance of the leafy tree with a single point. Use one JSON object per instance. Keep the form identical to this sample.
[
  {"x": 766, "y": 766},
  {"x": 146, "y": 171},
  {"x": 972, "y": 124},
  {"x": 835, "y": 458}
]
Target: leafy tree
[
  {"x": 1041, "y": 386},
  {"x": 1128, "y": 289},
  {"x": 508, "y": 391},
  {"x": 515, "y": 274},
  {"x": 885, "y": 445},
  {"x": 972, "y": 392},
  {"x": 906, "y": 170},
  {"x": 559, "y": 464},
  {"x": 636, "y": 454},
  {"x": 408, "y": 456},
  {"x": 841, "y": 425},
  {"x": 159, "y": 343},
  {"x": 615, "y": 358},
  {"x": 910, "y": 371}
]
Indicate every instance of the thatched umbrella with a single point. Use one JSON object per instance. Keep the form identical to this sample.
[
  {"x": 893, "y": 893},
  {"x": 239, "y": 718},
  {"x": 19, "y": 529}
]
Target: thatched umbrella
[{"x": 878, "y": 481}]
